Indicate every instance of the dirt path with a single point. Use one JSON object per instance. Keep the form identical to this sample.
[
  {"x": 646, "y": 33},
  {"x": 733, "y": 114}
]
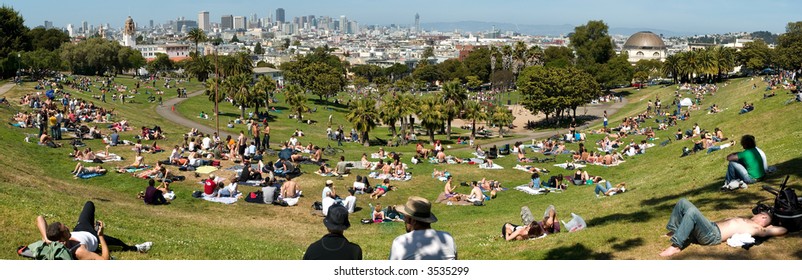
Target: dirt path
[
  {"x": 5, "y": 88},
  {"x": 166, "y": 112}
]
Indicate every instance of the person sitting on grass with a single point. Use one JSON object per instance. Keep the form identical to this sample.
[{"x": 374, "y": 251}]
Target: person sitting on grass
[
  {"x": 449, "y": 188},
  {"x": 687, "y": 225},
  {"x": 745, "y": 167},
  {"x": 290, "y": 192},
  {"x": 580, "y": 177},
  {"x": 476, "y": 193},
  {"x": 81, "y": 170},
  {"x": 604, "y": 187},
  {"x": 438, "y": 174},
  {"x": 46, "y": 140},
  {"x": 422, "y": 152},
  {"x": 139, "y": 162},
  {"x": 378, "y": 213},
  {"x": 522, "y": 157},
  {"x": 155, "y": 195},
  {"x": 534, "y": 181}
]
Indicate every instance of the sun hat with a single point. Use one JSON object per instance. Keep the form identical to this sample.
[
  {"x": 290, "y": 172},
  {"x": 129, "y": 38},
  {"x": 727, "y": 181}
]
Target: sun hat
[
  {"x": 419, "y": 209},
  {"x": 337, "y": 218},
  {"x": 329, "y": 182}
]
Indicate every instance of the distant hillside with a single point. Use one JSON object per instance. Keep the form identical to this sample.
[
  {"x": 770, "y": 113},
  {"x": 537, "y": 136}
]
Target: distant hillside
[{"x": 532, "y": 29}]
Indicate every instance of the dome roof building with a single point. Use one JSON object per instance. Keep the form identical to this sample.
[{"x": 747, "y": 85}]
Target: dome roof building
[{"x": 645, "y": 45}]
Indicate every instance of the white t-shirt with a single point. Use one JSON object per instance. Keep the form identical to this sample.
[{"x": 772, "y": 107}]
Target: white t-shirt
[
  {"x": 426, "y": 244},
  {"x": 85, "y": 238},
  {"x": 325, "y": 193},
  {"x": 327, "y": 202},
  {"x": 206, "y": 143},
  {"x": 350, "y": 203}
]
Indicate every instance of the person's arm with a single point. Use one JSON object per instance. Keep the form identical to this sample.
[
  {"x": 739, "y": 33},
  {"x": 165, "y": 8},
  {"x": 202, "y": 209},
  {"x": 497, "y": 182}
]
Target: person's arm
[
  {"x": 771, "y": 231},
  {"x": 732, "y": 157},
  {"x": 41, "y": 224},
  {"x": 83, "y": 254}
]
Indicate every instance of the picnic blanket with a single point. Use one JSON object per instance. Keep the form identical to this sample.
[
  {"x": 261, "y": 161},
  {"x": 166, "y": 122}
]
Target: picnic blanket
[
  {"x": 614, "y": 164},
  {"x": 104, "y": 158},
  {"x": 206, "y": 169},
  {"x": 541, "y": 190},
  {"x": 135, "y": 169},
  {"x": 522, "y": 167},
  {"x": 565, "y": 165},
  {"x": 250, "y": 183},
  {"x": 223, "y": 200},
  {"x": 495, "y": 166},
  {"x": 376, "y": 175},
  {"x": 443, "y": 199},
  {"x": 376, "y": 156},
  {"x": 324, "y": 174},
  {"x": 90, "y": 175}
]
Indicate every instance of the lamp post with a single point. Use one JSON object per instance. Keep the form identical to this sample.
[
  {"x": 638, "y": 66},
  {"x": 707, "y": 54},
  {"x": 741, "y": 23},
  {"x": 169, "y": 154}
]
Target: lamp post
[
  {"x": 19, "y": 57},
  {"x": 216, "y": 88}
]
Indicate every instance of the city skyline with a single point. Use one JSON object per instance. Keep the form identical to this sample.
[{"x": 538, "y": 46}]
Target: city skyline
[{"x": 684, "y": 16}]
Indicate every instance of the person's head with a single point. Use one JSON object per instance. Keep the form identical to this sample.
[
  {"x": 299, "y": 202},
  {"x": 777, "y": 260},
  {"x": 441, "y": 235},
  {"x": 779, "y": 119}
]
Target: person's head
[
  {"x": 57, "y": 231},
  {"x": 151, "y": 183},
  {"x": 386, "y": 182},
  {"x": 535, "y": 175},
  {"x": 336, "y": 220},
  {"x": 329, "y": 183},
  {"x": 417, "y": 213},
  {"x": 448, "y": 178},
  {"x": 763, "y": 219},
  {"x": 748, "y": 142}
]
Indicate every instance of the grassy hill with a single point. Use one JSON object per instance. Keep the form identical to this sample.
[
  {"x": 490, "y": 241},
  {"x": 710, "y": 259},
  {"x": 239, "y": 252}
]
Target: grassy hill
[{"x": 36, "y": 181}]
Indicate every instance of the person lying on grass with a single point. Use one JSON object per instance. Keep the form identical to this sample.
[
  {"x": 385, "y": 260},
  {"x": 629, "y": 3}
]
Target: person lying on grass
[
  {"x": 532, "y": 228},
  {"x": 687, "y": 225},
  {"x": 381, "y": 189},
  {"x": 80, "y": 170},
  {"x": 604, "y": 187}
]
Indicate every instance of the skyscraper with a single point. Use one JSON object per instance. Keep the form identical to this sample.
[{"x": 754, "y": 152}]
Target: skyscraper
[
  {"x": 280, "y": 15},
  {"x": 417, "y": 23},
  {"x": 48, "y": 24},
  {"x": 343, "y": 25},
  {"x": 240, "y": 22},
  {"x": 84, "y": 27},
  {"x": 226, "y": 22},
  {"x": 151, "y": 24},
  {"x": 203, "y": 21}
]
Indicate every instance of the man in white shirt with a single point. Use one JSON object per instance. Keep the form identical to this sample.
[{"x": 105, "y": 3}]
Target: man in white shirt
[
  {"x": 206, "y": 143},
  {"x": 421, "y": 242}
]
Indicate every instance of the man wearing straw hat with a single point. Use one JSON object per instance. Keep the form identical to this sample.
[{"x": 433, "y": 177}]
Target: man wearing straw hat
[
  {"x": 421, "y": 242},
  {"x": 334, "y": 246}
]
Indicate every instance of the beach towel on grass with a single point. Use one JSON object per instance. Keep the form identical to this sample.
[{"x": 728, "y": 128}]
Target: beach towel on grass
[
  {"x": 531, "y": 191},
  {"x": 522, "y": 168},
  {"x": 205, "y": 169},
  {"x": 223, "y": 200},
  {"x": 376, "y": 156},
  {"x": 614, "y": 164},
  {"x": 135, "y": 169},
  {"x": 565, "y": 165},
  {"x": 324, "y": 174},
  {"x": 495, "y": 166},
  {"x": 376, "y": 175},
  {"x": 90, "y": 175},
  {"x": 478, "y": 156},
  {"x": 110, "y": 157},
  {"x": 250, "y": 183}
]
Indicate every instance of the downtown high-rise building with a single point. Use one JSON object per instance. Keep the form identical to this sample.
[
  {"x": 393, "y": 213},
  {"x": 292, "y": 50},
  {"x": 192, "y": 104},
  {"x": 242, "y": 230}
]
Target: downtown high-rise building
[
  {"x": 227, "y": 22},
  {"x": 84, "y": 27},
  {"x": 417, "y": 23},
  {"x": 151, "y": 24},
  {"x": 48, "y": 24},
  {"x": 203, "y": 21},
  {"x": 240, "y": 22},
  {"x": 280, "y": 15},
  {"x": 343, "y": 25}
]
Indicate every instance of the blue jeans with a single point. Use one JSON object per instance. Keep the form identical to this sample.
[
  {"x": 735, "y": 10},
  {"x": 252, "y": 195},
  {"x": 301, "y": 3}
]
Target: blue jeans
[
  {"x": 688, "y": 225},
  {"x": 713, "y": 149},
  {"x": 737, "y": 171},
  {"x": 601, "y": 189}
]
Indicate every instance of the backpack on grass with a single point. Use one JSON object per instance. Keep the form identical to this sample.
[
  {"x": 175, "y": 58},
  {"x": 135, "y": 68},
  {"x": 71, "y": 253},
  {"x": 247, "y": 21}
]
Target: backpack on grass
[
  {"x": 787, "y": 209},
  {"x": 40, "y": 250}
]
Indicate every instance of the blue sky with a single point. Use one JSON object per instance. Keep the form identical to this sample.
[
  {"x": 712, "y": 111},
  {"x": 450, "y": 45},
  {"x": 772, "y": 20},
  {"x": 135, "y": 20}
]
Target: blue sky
[{"x": 689, "y": 16}]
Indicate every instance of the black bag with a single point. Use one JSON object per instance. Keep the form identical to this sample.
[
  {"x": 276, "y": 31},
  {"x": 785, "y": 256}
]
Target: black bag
[
  {"x": 787, "y": 210},
  {"x": 197, "y": 194},
  {"x": 317, "y": 205}
]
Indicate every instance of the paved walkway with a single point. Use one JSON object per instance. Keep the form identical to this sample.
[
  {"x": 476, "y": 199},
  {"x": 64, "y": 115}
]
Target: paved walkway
[
  {"x": 167, "y": 113},
  {"x": 5, "y": 88}
]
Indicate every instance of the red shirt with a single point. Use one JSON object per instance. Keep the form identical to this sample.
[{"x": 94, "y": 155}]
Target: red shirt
[{"x": 208, "y": 186}]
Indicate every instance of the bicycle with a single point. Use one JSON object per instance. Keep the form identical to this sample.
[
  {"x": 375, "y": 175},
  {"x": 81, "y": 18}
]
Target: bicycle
[{"x": 330, "y": 151}]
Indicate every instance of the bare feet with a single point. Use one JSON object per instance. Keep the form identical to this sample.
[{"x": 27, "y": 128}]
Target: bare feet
[{"x": 670, "y": 251}]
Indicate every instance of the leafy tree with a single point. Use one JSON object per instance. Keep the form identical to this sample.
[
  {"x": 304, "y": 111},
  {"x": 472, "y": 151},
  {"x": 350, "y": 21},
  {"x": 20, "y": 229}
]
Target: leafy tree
[
  {"x": 238, "y": 88},
  {"x": 128, "y": 59},
  {"x": 265, "y": 64},
  {"x": 454, "y": 97},
  {"x": 363, "y": 115},
  {"x": 789, "y": 46},
  {"x": 502, "y": 79},
  {"x": 641, "y": 77},
  {"x": 427, "y": 73},
  {"x": 723, "y": 60},
  {"x": 430, "y": 111},
  {"x": 766, "y": 36},
  {"x": 13, "y": 40},
  {"x": 262, "y": 91},
  {"x": 199, "y": 66},
  {"x": 553, "y": 90},
  {"x": 96, "y": 56},
  {"x": 257, "y": 49},
  {"x": 234, "y": 39},
  {"x": 41, "y": 61},
  {"x": 478, "y": 64},
  {"x": 48, "y": 39},
  {"x": 560, "y": 57},
  {"x": 473, "y": 82},
  {"x": 396, "y": 71},
  {"x": 160, "y": 64},
  {"x": 755, "y": 55},
  {"x": 651, "y": 67},
  {"x": 295, "y": 98},
  {"x": 671, "y": 67},
  {"x": 368, "y": 72},
  {"x": 319, "y": 72},
  {"x": 214, "y": 89},
  {"x": 453, "y": 69},
  {"x": 391, "y": 111},
  {"x": 617, "y": 71},
  {"x": 594, "y": 50},
  {"x": 410, "y": 103},
  {"x": 196, "y": 35},
  {"x": 474, "y": 112}
]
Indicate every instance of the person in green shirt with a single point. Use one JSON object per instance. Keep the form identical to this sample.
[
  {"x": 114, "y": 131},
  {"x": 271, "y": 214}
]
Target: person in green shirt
[{"x": 745, "y": 167}]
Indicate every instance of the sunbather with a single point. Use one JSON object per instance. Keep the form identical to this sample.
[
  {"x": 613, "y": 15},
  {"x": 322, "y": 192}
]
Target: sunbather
[
  {"x": 80, "y": 170},
  {"x": 139, "y": 162},
  {"x": 604, "y": 187}
]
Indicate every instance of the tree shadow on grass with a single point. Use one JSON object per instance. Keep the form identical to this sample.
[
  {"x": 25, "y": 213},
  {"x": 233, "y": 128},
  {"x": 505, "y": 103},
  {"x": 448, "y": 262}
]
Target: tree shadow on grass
[
  {"x": 576, "y": 252},
  {"x": 636, "y": 217},
  {"x": 723, "y": 201},
  {"x": 627, "y": 244},
  {"x": 329, "y": 104},
  {"x": 564, "y": 123}
]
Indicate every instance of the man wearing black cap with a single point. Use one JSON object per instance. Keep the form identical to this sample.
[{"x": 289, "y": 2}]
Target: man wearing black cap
[
  {"x": 334, "y": 246},
  {"x": 421, "y": 242}
]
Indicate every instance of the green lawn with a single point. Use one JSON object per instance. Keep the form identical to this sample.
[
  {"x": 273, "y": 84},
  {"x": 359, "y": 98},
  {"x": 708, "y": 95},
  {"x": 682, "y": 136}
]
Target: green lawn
[{"x": 36, "y": 181}]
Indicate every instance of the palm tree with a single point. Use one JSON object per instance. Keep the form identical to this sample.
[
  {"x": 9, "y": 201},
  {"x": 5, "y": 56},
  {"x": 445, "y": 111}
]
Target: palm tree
[
  {"x": 707, "y": 63},
  {"x": 296, "y": 99},
  {"x": 519, "y": 57},
  {"x": 238, "y": 89},
  {"x": 196, "y": 35},
  {"x": 363, "y": 115},
  {"x": 410, "y": 103},
  {"x": 724, "y": 60},
  {"x": 391, "y": 110},
  {"x": 454, "y": 97},
  {"x": 431, "y": 115},
  {"x": 671, "y": 67},
  {"x": 475, "y": 112},
  {"x": 199, "y": 66},
  {"x": 534, "y": 56},
  {"x": 242, "y": 63},
  {"x": 502, "y": 117},
  {"x": 262, "y": 90}
]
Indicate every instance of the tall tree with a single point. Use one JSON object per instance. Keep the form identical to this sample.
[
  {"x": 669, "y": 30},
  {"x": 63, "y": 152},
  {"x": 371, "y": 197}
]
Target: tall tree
[
  {"x": 755, "y": 55},
  {"x": 453, "y": 69},
  {"x": 363, "y": 115},
  {"x": 13, "y": 40},
  {"x": 238, "y": 88},
  {"x": 474, "y": 112},
  {"x": 296, "y": 100},
  {"x": 478, "y": 63},
  {"x": 263, "y": 90},
  {"x": 502, "y": 116},
  {"x": 257, "y": 49},
  {"x": 723, "y": 60},
  {"x": 454, "y": 96},
  {"x": 48, "y": 39},
  {"x": 561, "y": 57},
  {"x": 430, "y": 112},
  {"x": 196, "y": 35},
  {"x": 789, "y": 46},
  {"x": 199, "y": 66},
  {"x": 671, "y": 67}
]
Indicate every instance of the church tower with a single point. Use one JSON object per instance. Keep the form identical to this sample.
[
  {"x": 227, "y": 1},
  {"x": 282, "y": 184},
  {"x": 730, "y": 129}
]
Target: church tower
[{"x": 129, "y": 33}]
